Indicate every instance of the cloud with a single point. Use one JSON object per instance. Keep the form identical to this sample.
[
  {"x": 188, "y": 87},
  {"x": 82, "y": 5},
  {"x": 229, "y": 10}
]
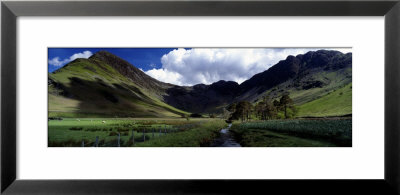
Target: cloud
[
  {"x": 165, "y": 76},
  {"x": 343, "y": 50},
  {"x": 208, "y": 65},
  {"x": 57, "y": 62}
]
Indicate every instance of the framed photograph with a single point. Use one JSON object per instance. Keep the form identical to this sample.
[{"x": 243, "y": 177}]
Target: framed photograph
[
  {"x": 185, "y": 97},
  {"x": 219, "y": 97}
]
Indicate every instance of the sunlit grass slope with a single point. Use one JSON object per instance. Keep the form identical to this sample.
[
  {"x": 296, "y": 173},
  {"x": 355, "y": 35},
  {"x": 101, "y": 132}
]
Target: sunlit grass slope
[
  {"x": 336, "y": 103},
  {"x": 90, "y": 87}
]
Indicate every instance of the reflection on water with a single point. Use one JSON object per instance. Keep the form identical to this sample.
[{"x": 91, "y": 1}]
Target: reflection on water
[{"x": 226, "y": 139}]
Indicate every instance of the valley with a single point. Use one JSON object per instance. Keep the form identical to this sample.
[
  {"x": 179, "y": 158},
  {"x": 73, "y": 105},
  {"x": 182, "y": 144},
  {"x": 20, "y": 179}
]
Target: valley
[{"x": 105, "y": 101}]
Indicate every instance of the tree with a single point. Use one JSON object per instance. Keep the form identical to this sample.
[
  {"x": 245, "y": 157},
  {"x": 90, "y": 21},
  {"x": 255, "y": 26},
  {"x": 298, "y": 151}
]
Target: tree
[
  {"x": 232, "y": 112},
  {"x": 232, "y": 107},
  {"x": 265, "y": 109},
  {"x": 258, "y": 109},
  {"x": 277, "y": 105},
  {"x": 248, "y": 109},
  {"x": 270, "y": 110},
  {"x": 286, "y": 102},
  {"x": 242, "y": 111},
  {"x": 225, "y": 113}
]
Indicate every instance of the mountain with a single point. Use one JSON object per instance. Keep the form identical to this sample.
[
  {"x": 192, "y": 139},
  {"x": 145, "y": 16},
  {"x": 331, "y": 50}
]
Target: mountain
[
  {"x": 306, "y": 77},
  {"x": 203, "y": 98},
  {"x": 106, "y": 85},
  {"x": 136, "y": 76}
]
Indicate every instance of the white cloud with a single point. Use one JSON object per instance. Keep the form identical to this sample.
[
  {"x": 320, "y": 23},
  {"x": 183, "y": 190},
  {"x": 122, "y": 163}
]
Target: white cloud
[
  {"x": 343, "y": 50},
  {"x": 165, "y": 76},
  {"x": 57, "y": 62},
  {"x": 204, "y": 65}
]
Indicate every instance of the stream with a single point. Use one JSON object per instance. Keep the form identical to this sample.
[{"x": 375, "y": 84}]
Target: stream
[{"x": 225, "y": 139}]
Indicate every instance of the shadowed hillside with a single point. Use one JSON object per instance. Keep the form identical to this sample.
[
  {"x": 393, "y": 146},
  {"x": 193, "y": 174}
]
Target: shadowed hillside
[
  {"x": 106, "y": 85},
  {"x": 306, "y": 77}
]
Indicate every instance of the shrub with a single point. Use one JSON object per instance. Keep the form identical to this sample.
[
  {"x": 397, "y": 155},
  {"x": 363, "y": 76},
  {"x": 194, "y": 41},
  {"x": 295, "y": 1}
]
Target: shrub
[
  {"x": 93, "y": 129},
  {"x": 196, "y": 115},
  {"x": 75, "y": 128},
  {"x": 112, "y": 133}
]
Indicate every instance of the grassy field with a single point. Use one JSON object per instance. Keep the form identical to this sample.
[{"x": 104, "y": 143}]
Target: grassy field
[
  {"x": 290, "y": 133},
  {"x": 71, "y": 132},
  {"x": 337, "y": 103}
]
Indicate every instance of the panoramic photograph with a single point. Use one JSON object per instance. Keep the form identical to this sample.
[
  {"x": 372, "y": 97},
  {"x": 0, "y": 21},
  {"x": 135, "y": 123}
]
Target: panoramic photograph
[{"x": 199, "y": 97}]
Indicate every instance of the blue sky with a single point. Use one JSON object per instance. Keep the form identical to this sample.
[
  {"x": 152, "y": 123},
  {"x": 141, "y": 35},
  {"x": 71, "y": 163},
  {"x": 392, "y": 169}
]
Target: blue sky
[
  {"x": 143, "y": 58},
  {"x": 189, "y": 66}
]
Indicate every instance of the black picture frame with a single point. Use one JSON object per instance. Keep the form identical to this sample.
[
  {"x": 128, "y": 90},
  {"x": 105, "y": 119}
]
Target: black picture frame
[{"x": 10, "y": 10}]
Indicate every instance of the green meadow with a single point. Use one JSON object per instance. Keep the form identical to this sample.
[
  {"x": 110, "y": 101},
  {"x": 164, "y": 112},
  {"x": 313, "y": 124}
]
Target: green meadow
[
  {"x": 295, "y": 133},
  {"x": 83, "y": 132},
  {"x": 336, "y": 103}
]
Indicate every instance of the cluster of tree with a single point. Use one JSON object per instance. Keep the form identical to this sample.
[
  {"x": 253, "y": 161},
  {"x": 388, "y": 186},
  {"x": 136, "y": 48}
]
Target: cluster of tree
[
  {"x": 241, "y": 110},
  {"x": 196, "y": 115},
  {"x": 264, "y": 110}
]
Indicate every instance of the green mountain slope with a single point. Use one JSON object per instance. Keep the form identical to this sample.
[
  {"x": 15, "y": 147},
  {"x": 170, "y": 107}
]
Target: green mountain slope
[
  {"x": 310, "y": 80},
  {"x": 108, "y": 86},
  {"x": 299, "y": 91},
  {"x": 91, "y": 87},
  {"x": 336, "y": 103},
  {"x": 300, "y": 73}
]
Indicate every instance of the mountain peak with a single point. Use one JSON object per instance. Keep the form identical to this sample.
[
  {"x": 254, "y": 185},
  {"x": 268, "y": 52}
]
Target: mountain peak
[
  {"x": 116, "y": 62},
  {"x": 128, "y": 70},
  {"x": 103, "y": 55},
  {"x": 293, "y": 66}
]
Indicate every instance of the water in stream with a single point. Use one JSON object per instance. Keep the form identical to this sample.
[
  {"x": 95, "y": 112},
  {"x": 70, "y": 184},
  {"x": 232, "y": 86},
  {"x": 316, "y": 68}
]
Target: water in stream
[{"x": 225, "y": 139}]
